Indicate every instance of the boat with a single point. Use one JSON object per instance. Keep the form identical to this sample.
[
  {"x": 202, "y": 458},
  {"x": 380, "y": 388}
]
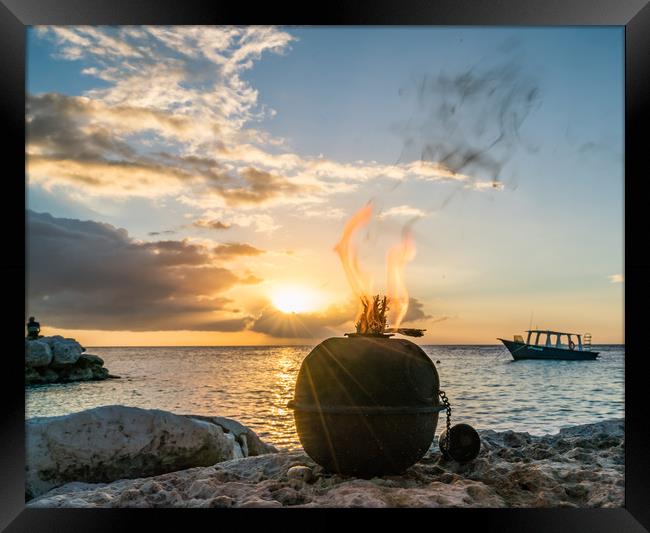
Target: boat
[{"x": 552, "y": 347}]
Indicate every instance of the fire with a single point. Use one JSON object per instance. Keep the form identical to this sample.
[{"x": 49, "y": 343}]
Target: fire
[
  {"x": 375, "y": 312},
  {"x": 397, "y": 258},
  {"x": 361, "y": 283}
]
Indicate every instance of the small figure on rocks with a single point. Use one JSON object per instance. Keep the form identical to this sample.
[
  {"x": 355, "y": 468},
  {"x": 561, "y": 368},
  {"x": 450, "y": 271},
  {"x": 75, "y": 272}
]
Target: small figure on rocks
[{"x": 33, "y": 328}]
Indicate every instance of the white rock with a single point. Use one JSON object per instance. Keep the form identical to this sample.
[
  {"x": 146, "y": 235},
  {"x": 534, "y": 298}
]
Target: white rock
[
  {"x": 115, "y": 442},
  {"x": 65, "y": 351},
  {"x": 51, "y": 339},
  {"x": 37, "y": 353},
  {"x": 249, "y": 441},
  {"x": 300, "y": 473}
]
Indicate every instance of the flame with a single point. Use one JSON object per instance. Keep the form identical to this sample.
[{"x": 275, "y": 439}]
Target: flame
[
  {"x": 396, "y": 259},
  {"x": 359, "y": 281},
  {"x": 371, "y": 318}
]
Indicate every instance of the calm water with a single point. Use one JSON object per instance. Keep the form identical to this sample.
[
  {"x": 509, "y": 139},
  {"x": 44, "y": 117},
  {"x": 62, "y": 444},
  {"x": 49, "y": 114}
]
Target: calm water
[{"x": 253, "y": 384}]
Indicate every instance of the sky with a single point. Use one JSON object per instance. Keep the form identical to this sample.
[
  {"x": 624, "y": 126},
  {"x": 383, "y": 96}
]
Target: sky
[{"x": 188, "y": 185}]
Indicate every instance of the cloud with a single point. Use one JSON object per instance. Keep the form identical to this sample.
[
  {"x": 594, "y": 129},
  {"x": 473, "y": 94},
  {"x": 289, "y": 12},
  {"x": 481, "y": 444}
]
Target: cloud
[
  {"x": 173, "y": 116},
  {"x": 51, "y": 109},
  {"x": 91, "y": 275},
  {"x": 485, "y": 185},
  {"x": 404, "y": 211},
  {"x": 258, "y": 222},
  {"x": 335, "y": 320},
  {"x": 210, "y": 224},
  {"x": 78, "y": 142},
  {"x": 326, "y": 212},
  {"x": 80, "y": 41},
  {"x": 164, "y": 232},
  {"x": 415, "y": 311},
  {"x": 616, "y": 278},
  {"x": 71, "y": 142},
  {"x": 260, "y": 186},
  {"x": 277, "y": 324},
  {"x": 236, "y": 248}
]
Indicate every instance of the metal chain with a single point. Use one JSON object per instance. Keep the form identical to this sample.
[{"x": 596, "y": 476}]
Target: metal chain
[{"x": 445, "y": 402}]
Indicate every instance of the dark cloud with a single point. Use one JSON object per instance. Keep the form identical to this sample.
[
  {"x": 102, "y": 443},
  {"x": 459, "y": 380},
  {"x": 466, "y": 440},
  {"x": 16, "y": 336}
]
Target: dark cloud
[
  {"x": 332, "y": 321},
  {"x": 91, "y": 275},
  {"x": 236, "y": 248},
  {"x": 59, "y": 125},
  {"x": 210, "y": 224},
  {"x": 302, "y": 325},
  {"x": 72, "y": 129},
  {"x": 66, "y": 130},
  {"x": 207, "y": 168},
  {"x": 259, "y": 186},
  {"x": 165, "y": 232},
  {"x": 173, "y": 253},
  {"x": 85, "y": 142},
  {"x": 415, "y": 311}
]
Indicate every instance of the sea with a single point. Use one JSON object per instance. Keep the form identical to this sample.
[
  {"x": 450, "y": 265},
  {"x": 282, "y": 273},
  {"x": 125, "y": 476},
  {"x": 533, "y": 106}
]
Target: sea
[{"x": 486, "y": 388}]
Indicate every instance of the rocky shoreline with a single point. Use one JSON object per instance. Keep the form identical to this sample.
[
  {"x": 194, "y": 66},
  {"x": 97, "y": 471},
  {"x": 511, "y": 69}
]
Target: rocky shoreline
[
  {"x": 118, "y": 456},
  {"x": 56, "y": 359}
]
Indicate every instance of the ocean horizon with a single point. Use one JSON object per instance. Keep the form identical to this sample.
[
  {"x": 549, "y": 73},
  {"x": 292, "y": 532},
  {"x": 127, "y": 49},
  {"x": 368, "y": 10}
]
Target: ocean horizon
[
  {"x": 276, "y": 345},
  {"x": 253, "y": 384}
]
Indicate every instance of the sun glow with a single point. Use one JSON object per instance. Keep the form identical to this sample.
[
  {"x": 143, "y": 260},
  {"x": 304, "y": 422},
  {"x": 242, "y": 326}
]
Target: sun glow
[{"x": 295, "y": 299}]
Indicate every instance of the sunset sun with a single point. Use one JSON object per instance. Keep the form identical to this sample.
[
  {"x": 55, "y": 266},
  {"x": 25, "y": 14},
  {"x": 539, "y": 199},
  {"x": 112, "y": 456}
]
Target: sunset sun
[{"x": 294, "y": 299}]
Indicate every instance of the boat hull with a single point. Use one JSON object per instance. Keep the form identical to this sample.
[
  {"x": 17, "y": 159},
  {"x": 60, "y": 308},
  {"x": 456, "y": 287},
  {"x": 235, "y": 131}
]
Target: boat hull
[{"x": 520, "y": 350}]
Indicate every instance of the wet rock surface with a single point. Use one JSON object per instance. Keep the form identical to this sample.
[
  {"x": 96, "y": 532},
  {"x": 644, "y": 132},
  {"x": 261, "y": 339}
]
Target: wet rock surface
[{"x": 581, "y": 466}]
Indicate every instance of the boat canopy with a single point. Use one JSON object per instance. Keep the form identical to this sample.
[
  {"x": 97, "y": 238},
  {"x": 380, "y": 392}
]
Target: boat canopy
[
  {"x": 550, "y": 332},
  {"x": 558, "y": 339}
]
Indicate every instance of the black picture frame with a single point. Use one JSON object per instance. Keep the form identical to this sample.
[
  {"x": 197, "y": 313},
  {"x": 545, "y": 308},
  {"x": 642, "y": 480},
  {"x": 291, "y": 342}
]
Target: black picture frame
[{"x": 634, "y": 15}]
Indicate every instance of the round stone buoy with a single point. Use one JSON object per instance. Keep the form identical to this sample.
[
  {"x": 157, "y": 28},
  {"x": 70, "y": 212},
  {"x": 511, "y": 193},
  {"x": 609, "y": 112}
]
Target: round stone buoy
[{"x": 464, "y": 443}]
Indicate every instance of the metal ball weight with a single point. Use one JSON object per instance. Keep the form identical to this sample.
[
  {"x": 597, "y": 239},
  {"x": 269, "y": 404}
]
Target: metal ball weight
[{"x": 464, "y": 443}]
